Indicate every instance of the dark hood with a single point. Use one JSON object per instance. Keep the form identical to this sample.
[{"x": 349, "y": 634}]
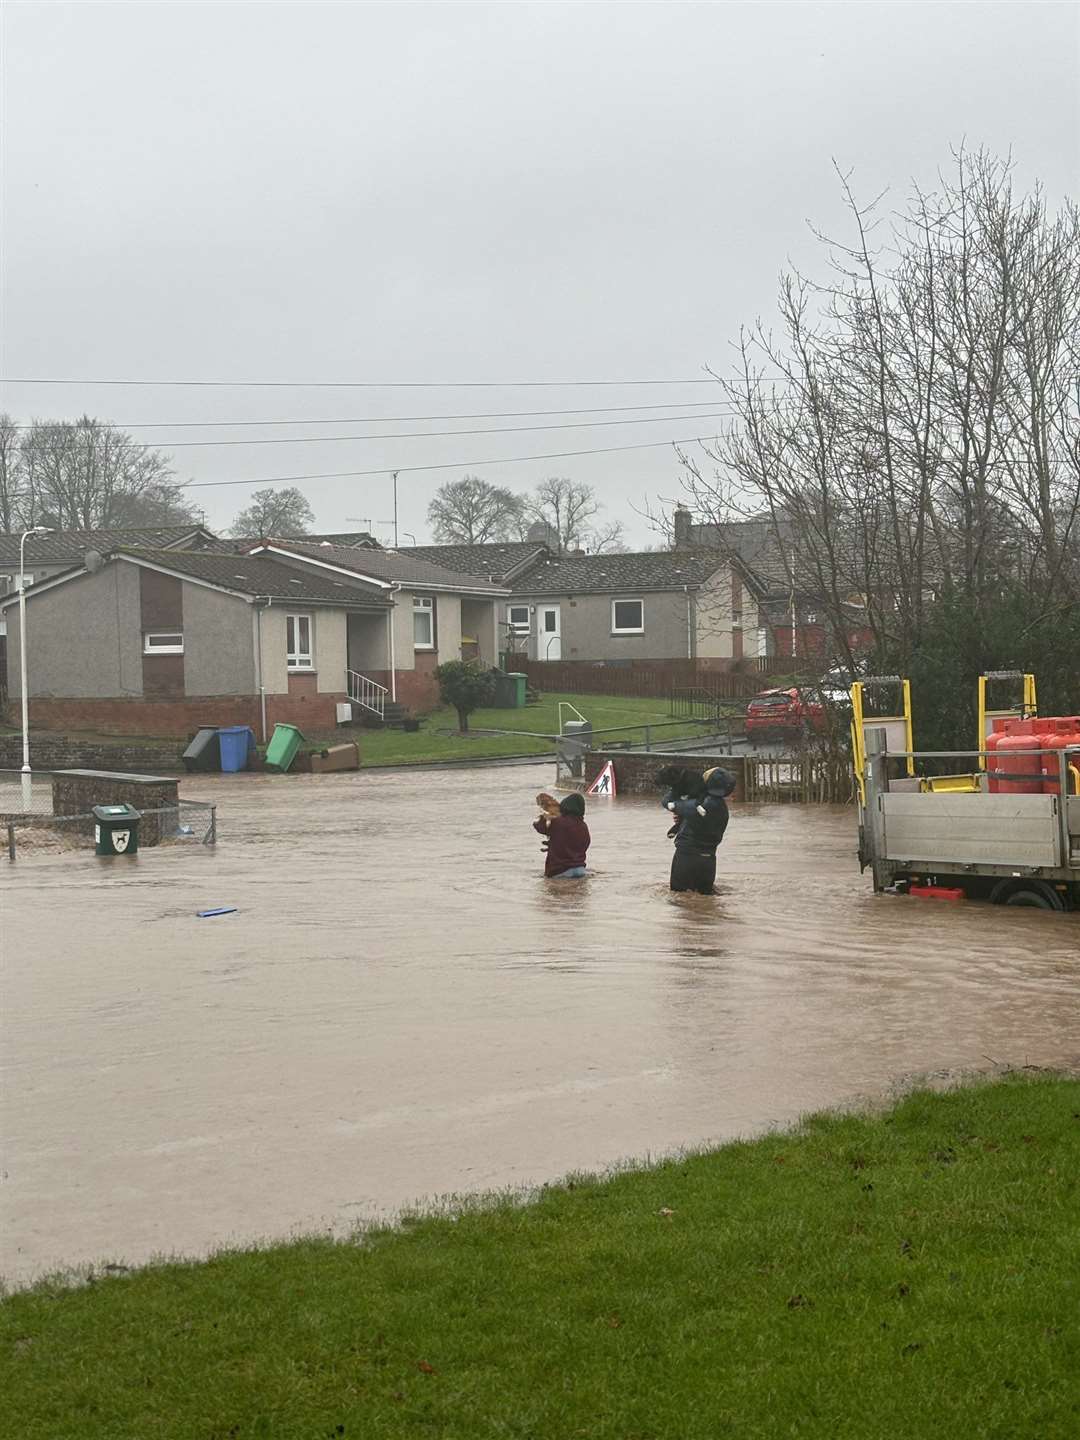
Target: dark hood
[{"x": 718, "y": 781}]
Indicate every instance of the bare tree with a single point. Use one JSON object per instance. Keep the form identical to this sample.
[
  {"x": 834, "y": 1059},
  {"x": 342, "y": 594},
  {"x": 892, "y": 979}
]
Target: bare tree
[
  {"x": 275, "y": 512},
  {"x": 12, "y": 476},
  {"x": 470, "y": 511},
  {"x": 568, "y": 509},
  {"x": 922, "y": 439},
  {"x": 87, "y": 475}
]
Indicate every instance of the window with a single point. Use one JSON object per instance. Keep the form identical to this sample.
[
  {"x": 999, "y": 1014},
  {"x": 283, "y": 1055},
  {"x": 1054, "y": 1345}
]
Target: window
[
  {"x": 519, "y": 619},
  {"x": 627, "y": 617},
  {"x": 298, "y": 642},
  {"x": 163, "y": 642},
  {"x": 9, "y": 584},
  {"x": 423, "y": 622}
]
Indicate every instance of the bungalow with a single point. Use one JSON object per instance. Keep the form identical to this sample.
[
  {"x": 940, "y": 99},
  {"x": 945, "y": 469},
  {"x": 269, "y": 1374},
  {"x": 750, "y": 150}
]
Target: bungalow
[
  {"x": 659, "y": 605},
  {"x": 58, "y": 550},
  {"x": 439, "y": 613},
  {"x": 158, "y": 642},
  {"x": 792, "y": 604}
]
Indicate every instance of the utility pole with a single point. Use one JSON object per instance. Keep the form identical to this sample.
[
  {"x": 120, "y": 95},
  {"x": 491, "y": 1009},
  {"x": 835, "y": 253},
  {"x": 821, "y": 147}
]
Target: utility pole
[
  {"x": 793, "y": 612},
  {"x": 394, "y": 475}
]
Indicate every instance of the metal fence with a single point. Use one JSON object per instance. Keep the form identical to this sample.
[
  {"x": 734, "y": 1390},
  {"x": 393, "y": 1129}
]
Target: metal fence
[
  {"x": 188, "y": 821},
  {"x": 697, "y": 702},
  {"x": 25, "y": 794}
]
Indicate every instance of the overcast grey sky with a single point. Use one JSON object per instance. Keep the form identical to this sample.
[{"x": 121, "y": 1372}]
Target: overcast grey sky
[{"x": 460, "y": 192}]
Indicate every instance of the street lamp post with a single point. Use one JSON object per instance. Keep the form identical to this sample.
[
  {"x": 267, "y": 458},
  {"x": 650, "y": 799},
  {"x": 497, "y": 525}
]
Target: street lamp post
[{"x": 26, "y": 784}]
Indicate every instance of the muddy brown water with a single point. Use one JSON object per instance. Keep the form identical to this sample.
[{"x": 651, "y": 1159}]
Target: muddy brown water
[{"x": 402, "y": 1007}]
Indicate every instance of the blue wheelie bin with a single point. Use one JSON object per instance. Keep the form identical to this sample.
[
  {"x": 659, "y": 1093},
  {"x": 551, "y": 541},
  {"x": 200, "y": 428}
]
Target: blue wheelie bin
[{"x": 237, "y": 744}]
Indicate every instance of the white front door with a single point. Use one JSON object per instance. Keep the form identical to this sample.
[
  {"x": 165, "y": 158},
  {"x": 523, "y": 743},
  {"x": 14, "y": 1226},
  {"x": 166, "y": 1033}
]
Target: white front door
[{"x": 549, "y": 635}]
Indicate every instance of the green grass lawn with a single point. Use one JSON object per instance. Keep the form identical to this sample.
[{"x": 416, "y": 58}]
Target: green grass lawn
[
  {"x": 439, "y": 740},
  {"x": 909, "y": 1274}
]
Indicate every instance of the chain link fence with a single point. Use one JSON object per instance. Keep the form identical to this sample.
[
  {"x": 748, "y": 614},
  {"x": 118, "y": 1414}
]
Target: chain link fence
[{"x": 28, "y": 825}]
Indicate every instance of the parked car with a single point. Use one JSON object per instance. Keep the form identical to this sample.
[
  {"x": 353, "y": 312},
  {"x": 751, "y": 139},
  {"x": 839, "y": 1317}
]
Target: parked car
[
  {"x": 835, "y": 684},
  {"x": 782, "y": 714}
]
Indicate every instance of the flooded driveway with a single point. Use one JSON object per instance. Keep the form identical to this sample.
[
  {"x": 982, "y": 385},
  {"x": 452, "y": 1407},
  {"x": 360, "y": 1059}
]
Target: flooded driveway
[{"x": 402, "y": 1007}]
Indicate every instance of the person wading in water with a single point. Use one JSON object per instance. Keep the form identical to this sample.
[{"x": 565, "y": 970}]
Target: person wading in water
[
  {"x": 567, "y": 840},
  {"x": 699, "y": 803}
]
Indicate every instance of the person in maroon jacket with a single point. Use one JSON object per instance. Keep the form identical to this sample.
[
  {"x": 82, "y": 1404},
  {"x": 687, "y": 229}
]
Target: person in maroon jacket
[{"x": 568, "y": 839}]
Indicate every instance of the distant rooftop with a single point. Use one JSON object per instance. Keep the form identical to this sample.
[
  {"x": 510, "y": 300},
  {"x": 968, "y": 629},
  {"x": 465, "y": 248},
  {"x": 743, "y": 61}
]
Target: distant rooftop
[
  {"x": 499, "y": 561},
  {"x": 397, "y": 567},
  {"x": 59, "y": 547},
  {"x": 596, "y": 574}
]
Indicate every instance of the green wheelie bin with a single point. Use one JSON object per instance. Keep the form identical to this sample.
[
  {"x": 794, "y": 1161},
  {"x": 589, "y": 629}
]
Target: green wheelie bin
[
  {"x": 284, "y": 743},
  {"x": 520, "y": 685}
]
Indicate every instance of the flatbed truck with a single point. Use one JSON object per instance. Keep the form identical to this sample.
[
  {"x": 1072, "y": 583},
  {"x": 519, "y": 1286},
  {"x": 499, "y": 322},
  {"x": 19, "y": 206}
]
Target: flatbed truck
[{"x": 956, "y": 832}]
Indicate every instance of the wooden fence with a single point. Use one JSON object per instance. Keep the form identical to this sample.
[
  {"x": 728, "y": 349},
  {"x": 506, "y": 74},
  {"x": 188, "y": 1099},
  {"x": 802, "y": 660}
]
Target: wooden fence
[
  {"x": 648, "y": 679},
  {"x": 807, "y": 777}
]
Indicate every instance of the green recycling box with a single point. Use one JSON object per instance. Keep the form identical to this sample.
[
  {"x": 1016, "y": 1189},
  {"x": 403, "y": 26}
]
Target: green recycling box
[
  {"x": 284, "y": 743},
  {"x": 116, "y": 829}
]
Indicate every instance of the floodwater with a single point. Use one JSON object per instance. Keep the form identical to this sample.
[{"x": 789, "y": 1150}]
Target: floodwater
[{"x": 403, "y": 1008}]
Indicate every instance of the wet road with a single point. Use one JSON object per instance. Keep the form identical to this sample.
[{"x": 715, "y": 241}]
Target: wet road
[{"x": 403, "y": 1008}]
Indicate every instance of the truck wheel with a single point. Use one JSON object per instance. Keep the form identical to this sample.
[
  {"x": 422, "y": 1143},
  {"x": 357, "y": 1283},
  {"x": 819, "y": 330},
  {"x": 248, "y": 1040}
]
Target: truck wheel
[{"x": 1034, "y": 895}]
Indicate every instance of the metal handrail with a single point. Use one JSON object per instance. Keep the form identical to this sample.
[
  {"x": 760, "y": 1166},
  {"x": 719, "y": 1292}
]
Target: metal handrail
[{"x": 367, "y": 693}]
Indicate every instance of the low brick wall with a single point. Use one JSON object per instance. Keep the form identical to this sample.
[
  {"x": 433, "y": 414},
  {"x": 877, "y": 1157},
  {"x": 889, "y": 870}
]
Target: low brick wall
[
  {"x": 49, "y": 751},
  {"x": 417, "y": 690},
  {"x": 76, "y": 792},
  {"x": 180, "y": 717},
  {"x": 635, "y": 770}
]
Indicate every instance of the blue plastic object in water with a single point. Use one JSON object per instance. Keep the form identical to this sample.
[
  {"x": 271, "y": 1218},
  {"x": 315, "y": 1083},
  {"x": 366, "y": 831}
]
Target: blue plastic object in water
[{"x": 221, "y": 910}]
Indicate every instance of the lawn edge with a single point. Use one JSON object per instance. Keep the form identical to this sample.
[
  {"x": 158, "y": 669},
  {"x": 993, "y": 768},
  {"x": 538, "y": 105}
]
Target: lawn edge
[{"x": 454, "y": 1204}]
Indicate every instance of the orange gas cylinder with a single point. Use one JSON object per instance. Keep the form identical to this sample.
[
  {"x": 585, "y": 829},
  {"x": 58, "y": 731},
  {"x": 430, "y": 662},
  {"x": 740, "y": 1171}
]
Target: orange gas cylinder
[{"x": 1023, "y": 772}]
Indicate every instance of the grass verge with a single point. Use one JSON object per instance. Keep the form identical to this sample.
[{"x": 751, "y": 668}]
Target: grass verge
[
  {"x": 911, "y": 1274},
  {"x": 439, "y": 740}
]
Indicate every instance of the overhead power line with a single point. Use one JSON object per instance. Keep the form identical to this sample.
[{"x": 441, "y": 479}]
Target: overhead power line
[
  {"x": 369, "y": 384},
  {"x": 383, "y": 419},
  {"x": 448, "y": 465},
  {"x": 437, "y": 434}
]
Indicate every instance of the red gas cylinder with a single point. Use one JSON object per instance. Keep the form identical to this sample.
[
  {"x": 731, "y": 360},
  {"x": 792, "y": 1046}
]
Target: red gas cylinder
[
  {"x": 1024, "y": 772},
  {"x": 1060, "y": 732}
]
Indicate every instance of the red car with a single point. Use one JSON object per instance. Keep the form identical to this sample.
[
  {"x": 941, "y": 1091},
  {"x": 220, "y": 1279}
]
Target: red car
[{"x": 783, "y": 713}]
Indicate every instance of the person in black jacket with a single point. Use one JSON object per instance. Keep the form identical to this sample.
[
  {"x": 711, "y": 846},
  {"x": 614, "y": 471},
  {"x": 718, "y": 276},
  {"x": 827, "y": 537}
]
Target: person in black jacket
[{"x": 699, "y": 803}]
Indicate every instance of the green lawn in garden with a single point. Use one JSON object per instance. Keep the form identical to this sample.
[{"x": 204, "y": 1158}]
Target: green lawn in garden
[
  {"x": 438, "y": 739},
  {"x": 911, "y": 1274}
]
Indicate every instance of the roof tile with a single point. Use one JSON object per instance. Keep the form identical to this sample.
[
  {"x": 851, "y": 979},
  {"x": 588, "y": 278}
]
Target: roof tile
[{"x": 596, "y": 574}]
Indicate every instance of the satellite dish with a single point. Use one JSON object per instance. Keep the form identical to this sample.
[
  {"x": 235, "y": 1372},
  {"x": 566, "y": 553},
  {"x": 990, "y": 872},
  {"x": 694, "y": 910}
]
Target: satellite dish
[{"x": 92, "y": 561}]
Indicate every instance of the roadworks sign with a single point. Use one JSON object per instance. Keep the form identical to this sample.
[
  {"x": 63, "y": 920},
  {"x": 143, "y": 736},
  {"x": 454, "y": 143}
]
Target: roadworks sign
[{"x": 604, "y": 784}]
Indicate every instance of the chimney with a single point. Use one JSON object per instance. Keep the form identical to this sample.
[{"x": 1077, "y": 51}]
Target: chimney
[{"x": 682, "y": 526}]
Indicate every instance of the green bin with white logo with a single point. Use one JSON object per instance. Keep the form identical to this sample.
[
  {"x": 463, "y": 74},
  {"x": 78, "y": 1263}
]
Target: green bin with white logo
[{"x": 116, "y": 829}]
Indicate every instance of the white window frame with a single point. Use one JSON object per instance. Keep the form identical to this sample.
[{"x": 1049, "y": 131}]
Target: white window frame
[
  {"x": 175, "y": 645},
  {"x": 519, "y": 627},
  {"x": 297, "y": 661},
  {"x": 424, "y": 605},
  {"x": 631, "y": 629}
]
